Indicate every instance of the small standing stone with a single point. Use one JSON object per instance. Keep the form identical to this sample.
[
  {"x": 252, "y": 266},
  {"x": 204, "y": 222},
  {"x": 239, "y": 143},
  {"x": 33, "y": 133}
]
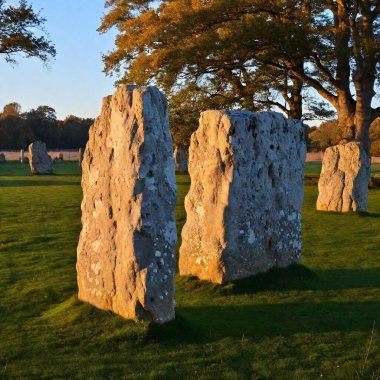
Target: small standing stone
[
  {"x": 126, "y": 248},
  {"x": 80, "y": 156},
  {"x": 181, "y": 159},
  {"x": 22, "y": 156},
  {"x": 39, "y": 160},
  {"x": 343, "y": 184},
  {"x": 244, "y": 204},
  {"x": 2, "y": 158}
]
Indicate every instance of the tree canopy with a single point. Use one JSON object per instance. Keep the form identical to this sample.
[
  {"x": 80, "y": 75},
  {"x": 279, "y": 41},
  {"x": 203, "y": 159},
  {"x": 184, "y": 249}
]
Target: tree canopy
[
  {"x": 255, "y": 53},
  {"x": 22, "y": 32},
  {"x": 19, "y": 129}
]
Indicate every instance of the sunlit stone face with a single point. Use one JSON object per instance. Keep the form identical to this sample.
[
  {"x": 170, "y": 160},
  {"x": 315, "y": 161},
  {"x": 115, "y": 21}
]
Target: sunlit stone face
[
  {"x": 244, "y": 204},
  {"x": 126, "y": 249}
]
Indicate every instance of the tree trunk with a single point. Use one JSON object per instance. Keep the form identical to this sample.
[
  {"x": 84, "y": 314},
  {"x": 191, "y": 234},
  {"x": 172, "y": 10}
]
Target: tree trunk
[{"x": 296, "y": 100}]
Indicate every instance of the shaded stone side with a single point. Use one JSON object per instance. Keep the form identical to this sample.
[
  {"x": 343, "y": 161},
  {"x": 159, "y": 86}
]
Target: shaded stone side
[
  {"x": 243, "y": 207},
  {"x": 39, "y": 160},
  {"x": 343, "y": 184},
  {"x": 181, "y": 159},
  {"x": 126, "y": 257}
]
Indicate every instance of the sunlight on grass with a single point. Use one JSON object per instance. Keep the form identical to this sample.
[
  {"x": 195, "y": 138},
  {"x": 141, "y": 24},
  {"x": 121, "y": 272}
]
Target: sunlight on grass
[{"x": 298, "y": 323}]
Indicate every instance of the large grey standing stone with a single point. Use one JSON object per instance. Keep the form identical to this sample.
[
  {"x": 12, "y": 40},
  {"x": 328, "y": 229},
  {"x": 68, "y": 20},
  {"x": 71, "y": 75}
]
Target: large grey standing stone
[
  {"x": 126, "y": 257},
  {"x": 244, "y": 204},
  {"x": 181, "y": 159},
  {"x": 39, "y": 160},
  {"x": 343, "y": 184}
]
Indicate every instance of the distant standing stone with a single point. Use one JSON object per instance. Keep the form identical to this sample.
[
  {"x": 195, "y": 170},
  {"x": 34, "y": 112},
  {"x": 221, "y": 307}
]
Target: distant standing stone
[
  {"x": 80, "y": 156},
  {"x": 244, "y": 204},
  {"x": 39, "y": 160},
  {"x": 343, "y": 184},
  {"x": 2, "y": 158},
  {"x": 22, "y": 156},
  {"x": 126, "y": 256},
  {"x": 181, "y": 159}
]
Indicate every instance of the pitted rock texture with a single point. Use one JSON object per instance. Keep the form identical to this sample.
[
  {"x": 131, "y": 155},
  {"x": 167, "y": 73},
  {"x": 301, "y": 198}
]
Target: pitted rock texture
[
  {"x": 181, "y": 159},
  {"x": 343, "y": 184},
  {"x": 126, "y": 257},
  {"x": 243, "y": 207},
  {"x": 39, "y": 160}
]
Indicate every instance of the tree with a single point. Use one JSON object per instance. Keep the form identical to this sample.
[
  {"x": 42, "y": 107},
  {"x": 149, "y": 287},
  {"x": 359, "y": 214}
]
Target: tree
[
  {"x": 15, "y": 133},
  {"x": 330, "y": 133},
  {"x": 45, "y": 126},
  {"x": 75, "y": 132},
  {"x": 182, "y": 45},
  {"x": 330, "y": 46},
  {"x": 21, "y": 32},
  {"x": 11, "y": 109}
]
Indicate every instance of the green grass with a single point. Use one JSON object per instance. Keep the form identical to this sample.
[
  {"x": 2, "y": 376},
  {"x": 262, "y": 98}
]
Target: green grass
[{"x": 305, "y": 322}]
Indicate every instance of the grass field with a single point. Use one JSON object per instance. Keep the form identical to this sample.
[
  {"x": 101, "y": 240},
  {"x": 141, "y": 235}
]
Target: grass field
[{"x": 306, "y": 322}]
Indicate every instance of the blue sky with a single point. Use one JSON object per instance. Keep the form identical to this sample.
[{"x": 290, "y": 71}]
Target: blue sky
[{"x": 74, "y": 83}]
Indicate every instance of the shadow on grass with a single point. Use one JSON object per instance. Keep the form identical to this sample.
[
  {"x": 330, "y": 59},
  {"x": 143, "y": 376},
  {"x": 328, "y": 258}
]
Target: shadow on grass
[
  {"x": 295, "y": 277},
  {"x": 28, "y": 183},
  {"x": 210, "y": 323}
]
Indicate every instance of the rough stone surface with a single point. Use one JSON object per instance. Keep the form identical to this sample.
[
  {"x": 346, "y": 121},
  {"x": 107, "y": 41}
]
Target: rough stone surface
[
  {"x": 243, "y": 207},
  {"x": 181, "y": 159},
  {"x": 343, "y": 184},
  {"x": 126, "y": 257},
  {"x": 39, "y": 160}
]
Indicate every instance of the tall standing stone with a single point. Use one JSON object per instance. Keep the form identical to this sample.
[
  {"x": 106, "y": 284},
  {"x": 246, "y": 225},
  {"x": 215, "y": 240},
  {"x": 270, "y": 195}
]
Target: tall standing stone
[
  {"x": 126, "y": 257},
  {"x": 343, "y": 184},
  {"x": 39, "y": 160},
  {"x": 22, "y": 154},
  {"x": 244, "y": 204},
  {"x": 181, "y": 159}
]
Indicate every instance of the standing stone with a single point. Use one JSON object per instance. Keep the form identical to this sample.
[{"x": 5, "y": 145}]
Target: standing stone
[
  {"x": 80, "y": 156},
  {"x": 39, "y": 160},
  {"x": 181, "y": 159},
  {"x": 22, "y": 156},
  {"x": 126, "y": 257},
  {"x": 244, "y": 204},
  {"x": 2, "y": 158},
  {"x": 343, "y": 184}
]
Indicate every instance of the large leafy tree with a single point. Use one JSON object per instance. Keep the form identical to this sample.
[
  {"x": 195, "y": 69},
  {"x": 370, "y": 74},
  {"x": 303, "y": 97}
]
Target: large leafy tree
[
  {"x": 253, "y": 50},
  {"x": 22, "y": 32},
  {"x": 204, "y": 49}
]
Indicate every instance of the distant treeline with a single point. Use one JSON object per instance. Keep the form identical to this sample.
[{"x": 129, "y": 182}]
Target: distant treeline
[
  {"x": 329, "y": 134},
  {"x": 19, "y": 129}
]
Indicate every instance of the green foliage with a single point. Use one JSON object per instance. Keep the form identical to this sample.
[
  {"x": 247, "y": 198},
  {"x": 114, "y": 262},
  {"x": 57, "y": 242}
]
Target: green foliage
[
  {"x": 261, "y": 53},
  {"x": 330, "y": 133},
  {"x": 306, "y": 322},
  {"x": 18, "y": 130},
  {"x": 21, "y": 32}
]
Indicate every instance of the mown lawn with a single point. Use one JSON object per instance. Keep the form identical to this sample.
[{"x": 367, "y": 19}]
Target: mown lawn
[{"x": 306, "y": 322}]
